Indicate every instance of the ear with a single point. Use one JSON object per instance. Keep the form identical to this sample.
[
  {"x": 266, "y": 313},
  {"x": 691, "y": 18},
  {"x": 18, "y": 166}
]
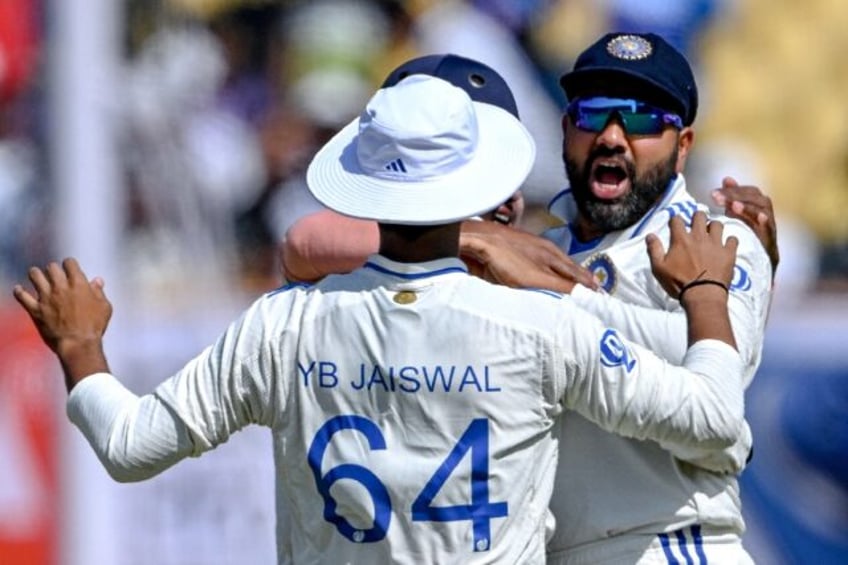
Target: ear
[
  {"x": 564, "y": 122},
  {"x": 685, "y": 140}
]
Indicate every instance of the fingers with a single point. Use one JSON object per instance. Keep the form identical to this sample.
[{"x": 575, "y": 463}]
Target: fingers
[
  {"x": 56, "y": 275},
  {"x": 655, "y": 249},
  {"x": 699, "y": 224},
  {"x": 25, "y": 299},
  {"x": 715, "y": 230},
  {"x": 677, "y": 228},
  {"x": 39, "y": 281},
  {"x": 732, "y": 243},
  {"x": 748, "y": 211},
  {"x": 73, "y": 271},
  {"x": 575, "y": 272},
  {"x": 742, "y": 200}
]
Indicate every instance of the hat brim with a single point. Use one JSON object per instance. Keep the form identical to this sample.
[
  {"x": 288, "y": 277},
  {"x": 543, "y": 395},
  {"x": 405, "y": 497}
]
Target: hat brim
[
  {"x": 572, "y": 83},
  {"x": 504, "y": 156}
]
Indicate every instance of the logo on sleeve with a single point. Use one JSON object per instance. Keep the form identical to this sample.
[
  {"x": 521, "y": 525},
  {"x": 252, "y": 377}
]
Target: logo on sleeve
[
  {"x": 741, "y": 279},
  {"x": 614, "y": 352}
]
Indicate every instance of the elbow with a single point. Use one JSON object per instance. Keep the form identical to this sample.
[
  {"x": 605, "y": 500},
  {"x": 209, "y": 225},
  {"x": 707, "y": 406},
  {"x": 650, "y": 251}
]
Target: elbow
[
  {"x": 724, "y": 426},
  {"x": 122, "y": 475},
  {"x": 728, "y": 434},
  {"x": 292, "y": 262},
  {"x": 126, "y": 471},
  {"x": 126, "y": 474}
]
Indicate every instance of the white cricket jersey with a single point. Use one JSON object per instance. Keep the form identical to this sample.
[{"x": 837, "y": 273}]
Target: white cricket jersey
[
  {"x": 609, "y": 486},
  {"x": 412, "y": 409}
]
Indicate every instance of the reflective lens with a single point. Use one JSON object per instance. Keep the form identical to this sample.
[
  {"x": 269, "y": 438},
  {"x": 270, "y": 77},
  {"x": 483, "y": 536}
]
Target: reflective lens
[{"x": 638, "y": 118}]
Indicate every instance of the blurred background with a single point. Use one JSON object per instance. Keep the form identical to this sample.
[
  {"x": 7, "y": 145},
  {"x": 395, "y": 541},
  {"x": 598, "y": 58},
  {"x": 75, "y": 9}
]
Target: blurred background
[{"x": 164, "y": 144}]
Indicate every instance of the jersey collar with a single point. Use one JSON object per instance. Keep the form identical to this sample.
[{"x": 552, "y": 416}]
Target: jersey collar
[{"x": 414, "y": 271}]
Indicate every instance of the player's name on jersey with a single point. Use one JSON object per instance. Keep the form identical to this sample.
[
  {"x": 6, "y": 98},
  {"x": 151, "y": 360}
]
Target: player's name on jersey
[{"x": 406, "y": 378}]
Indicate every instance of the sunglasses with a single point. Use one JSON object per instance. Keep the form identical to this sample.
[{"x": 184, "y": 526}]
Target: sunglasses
[{"x": 638, "y": 118}]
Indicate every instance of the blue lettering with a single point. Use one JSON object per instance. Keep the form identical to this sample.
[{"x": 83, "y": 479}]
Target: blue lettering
[
  {"x": 327, "y": 374},
  {"x": 361, "y": 383},
  {"x": 469, "y": 378},
  {"x": 409, "y": 375},
  {"x": 489, "y": 388},
  {"x": 408, "y": 378},
  {"x": 305, "y": 372},
  {"x": 378, "y": 379},
  {"x": 439, "y": 374},
  {"x": 392, "y": 378}
]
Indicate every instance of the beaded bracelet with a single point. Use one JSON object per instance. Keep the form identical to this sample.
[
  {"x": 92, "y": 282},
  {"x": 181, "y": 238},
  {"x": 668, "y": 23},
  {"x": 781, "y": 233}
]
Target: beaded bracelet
[{"x": 698, "y": 282}]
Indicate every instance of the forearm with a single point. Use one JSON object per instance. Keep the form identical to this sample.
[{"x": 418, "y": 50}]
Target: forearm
[
  {"x": 639, "y": 395},
  {"x": 660, "y": 331},
  {"x": 135, "y": 438},
  {"x": 707, "y": 315},
  {"x": 325, "y": 243},
  {"x": 711, "y": 413}
]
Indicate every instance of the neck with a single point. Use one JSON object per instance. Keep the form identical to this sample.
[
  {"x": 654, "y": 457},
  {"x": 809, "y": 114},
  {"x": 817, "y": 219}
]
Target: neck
[
  {"x": 585, "y": 230},
  {"x": 416, "y": 244}
]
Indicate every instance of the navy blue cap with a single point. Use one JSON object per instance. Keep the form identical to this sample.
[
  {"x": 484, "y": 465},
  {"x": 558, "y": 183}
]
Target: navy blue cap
[
  {"x": 648, "y": 60},
  {"x": 481, "y": 82}
]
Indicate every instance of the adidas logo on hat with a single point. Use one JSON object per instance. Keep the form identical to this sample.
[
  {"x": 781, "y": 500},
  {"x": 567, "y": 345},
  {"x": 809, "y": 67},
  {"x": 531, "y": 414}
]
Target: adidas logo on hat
[{"x": 396, "y": 166}]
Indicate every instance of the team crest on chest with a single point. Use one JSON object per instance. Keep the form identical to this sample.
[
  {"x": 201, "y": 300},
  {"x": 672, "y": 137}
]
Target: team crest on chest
[{"x": 603, "y": 270}]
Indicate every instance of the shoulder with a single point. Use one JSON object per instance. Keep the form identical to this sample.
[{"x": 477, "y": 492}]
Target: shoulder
[
  {"x": 753, "y": 266},
  {"x": 749, "y": 244}
]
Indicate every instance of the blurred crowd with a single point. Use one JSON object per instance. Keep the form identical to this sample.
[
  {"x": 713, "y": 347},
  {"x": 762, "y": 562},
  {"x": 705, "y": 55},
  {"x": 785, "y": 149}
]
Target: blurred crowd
[{"x": 225, "y": 101}]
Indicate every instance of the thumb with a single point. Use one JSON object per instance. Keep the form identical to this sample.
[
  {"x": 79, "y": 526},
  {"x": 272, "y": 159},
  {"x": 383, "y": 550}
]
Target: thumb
[{"x": 729, "y": 182}]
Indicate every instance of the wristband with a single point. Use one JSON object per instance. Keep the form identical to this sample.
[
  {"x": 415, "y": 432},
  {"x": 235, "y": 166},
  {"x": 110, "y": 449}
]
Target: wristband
[{"x": 698, "y": 282}]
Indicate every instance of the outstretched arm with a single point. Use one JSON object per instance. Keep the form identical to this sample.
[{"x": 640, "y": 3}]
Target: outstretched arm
[{"x": 136, "y": 437}]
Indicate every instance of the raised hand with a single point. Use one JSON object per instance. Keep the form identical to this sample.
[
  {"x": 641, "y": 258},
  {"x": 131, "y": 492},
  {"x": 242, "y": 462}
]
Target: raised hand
[
  {"x": 749, "y": 204},
  {"x": 699, "y": 266},
  {"x": 71, "y": 314},
  {"x": 698, "y": 254}
]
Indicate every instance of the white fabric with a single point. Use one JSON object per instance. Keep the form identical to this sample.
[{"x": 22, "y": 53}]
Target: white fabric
[
  {"x": 645, "y": 489},
  {"x": 422, "y": 153},
  {"x": 433, "y": 383}
]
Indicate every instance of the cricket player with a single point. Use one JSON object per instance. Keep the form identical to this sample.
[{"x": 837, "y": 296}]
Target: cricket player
[
  {"x": 627, "y": 133},
  {"x": 412, "y": 405}
]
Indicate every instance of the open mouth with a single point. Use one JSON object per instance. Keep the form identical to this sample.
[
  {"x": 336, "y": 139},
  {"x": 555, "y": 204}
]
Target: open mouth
[
  {"x": 503, "y": 214},
  {"x": 609, "y": 180}
]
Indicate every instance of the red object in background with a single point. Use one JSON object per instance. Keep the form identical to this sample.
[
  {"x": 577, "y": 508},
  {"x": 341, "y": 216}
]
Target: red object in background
[
  {"x": 19, "y": 42},
  {"x": 32, "y": 397}
]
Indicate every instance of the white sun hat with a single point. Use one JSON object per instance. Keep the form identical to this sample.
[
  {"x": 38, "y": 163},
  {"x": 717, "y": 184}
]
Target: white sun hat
[{"x": 422, "y": 153}]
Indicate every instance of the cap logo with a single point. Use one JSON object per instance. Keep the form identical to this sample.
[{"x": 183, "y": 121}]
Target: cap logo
[
  {"x": 396, "y": 166},
  {"x": 629, "y": 47}
]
